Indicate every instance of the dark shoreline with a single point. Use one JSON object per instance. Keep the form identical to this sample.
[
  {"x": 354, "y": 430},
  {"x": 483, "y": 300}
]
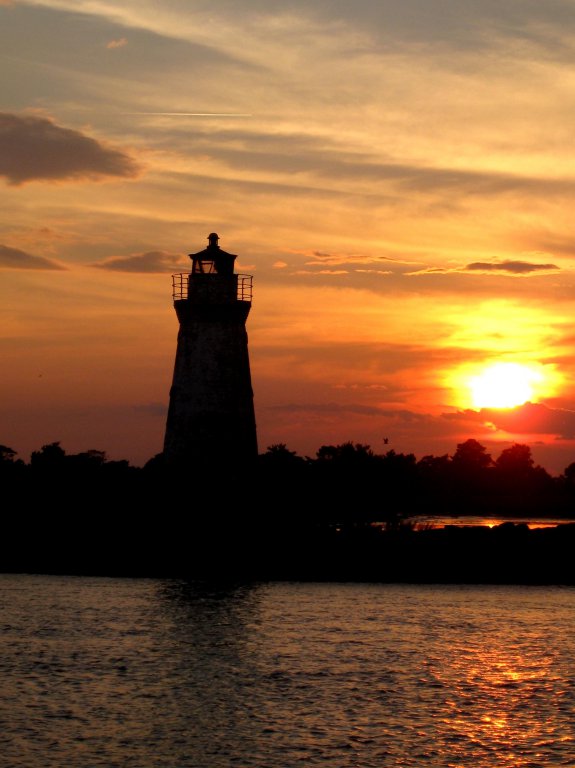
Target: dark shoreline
[
  {"x": 285, "y": 517},
  {"x": 510, "y": 553}
]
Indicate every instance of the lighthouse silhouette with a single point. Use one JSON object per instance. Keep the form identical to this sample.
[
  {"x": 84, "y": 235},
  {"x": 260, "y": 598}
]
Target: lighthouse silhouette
[{"x": 211, "y": 419}]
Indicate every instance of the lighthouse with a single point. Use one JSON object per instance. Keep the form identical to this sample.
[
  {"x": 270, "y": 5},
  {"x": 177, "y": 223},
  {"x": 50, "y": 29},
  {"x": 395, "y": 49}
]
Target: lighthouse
[{"x": 211, "y": 419}]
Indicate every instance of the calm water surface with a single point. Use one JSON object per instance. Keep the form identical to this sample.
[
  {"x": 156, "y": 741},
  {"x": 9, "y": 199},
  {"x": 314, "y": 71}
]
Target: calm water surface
[{"x": 120, "y": 673}]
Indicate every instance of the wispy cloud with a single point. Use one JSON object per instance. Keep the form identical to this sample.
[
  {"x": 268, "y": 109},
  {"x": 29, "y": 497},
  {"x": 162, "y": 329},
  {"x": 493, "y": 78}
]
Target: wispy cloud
[
  {"x": 321, "y": 272},
  {"x": 513, "y": 267},
  {"x": 384, "y": 23},
  {"x": 373, "y": 271},
  {"x": 328, "y": 163},
  {"x": 152, "y": 261},
  {"x": 332, "y": 408},
  {"x": 120, "y": 43},
  {"x": 335, "y": 259},
  {"x": 13, "y": 258},
  {"x": 527, "y": 419},
  {"x": 34, "y": 148},
  {"x": 510, "y": 267}
]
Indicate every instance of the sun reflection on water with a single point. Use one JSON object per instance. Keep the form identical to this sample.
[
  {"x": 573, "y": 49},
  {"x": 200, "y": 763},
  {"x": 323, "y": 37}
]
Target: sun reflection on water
[{"x": 492, "y": 709}]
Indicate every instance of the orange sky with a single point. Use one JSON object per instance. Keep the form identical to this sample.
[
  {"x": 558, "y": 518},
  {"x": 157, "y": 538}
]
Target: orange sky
[{"x": 396, "y": 176}]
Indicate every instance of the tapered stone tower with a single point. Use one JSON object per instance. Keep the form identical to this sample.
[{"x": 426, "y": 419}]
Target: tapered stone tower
[{"x": 211, "y": 418}]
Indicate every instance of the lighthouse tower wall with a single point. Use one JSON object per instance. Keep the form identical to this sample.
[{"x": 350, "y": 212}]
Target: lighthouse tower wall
[{"x": 211, "y": 416}]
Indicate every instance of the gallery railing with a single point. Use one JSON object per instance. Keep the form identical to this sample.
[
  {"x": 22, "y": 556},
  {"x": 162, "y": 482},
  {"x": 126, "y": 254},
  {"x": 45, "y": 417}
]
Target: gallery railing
[{"x": 181, "y": 285}]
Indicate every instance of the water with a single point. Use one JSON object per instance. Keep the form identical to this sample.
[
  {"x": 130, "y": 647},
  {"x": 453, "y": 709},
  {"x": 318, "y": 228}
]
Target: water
[
  {"x": 148, "y": 673},
  {"x": 435, "y": 521}
]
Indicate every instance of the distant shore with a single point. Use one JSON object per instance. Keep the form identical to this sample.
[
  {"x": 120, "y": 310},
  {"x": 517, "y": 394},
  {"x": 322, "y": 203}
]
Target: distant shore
[
  {"x": 510, "y": 553},
  {"x": 348, "y": 514}
]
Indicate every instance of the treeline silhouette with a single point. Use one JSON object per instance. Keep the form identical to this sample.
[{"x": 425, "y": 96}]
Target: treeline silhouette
[
  {"x": 347, "y": 513},
  {"x": 348, "y": 482}
]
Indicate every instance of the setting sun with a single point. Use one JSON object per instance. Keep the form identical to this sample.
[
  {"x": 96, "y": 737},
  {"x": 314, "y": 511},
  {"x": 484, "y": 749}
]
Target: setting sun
[{"x": 504, "y": 385}]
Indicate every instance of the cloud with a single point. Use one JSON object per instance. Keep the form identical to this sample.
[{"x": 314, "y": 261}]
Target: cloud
[
  {"x": 514, "y": 267},
  {"x": 34, "y": 148},
  {"x": 321, "y": 272},
  {"x": 399, "y": 415},
  {"x": 461, "y": 26},
  {"x": 13, "y": 258},
  {"x": 279, "y": 265},
  {"x": 322, "y": 257},
  {"x": 117, "y": 43},
  {"x": 527, "y": 419},
  {"x": 358, "y": 408},
  {"x": 488, "y": 267},
  {"x": 152, "y": 261},
  {"x": 325, "y": 165},
  {"x": 335, "y": 259},
  {"x": 374, "y": 271},
  {"x": 562, "y": 244}
]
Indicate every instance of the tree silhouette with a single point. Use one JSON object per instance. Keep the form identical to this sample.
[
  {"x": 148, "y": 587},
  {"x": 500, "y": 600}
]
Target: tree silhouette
[
  {"x": 435, "y": 476},
  {"x": 279, "y": 456},
  {"x": 516, "y": 460},
  {"x": 7, "y": 455},
  {"x": 471, "y": 455},
  {"x": 472, "y": 476},
  {"x": 11, "y": 468},
  {"x": 346, "y": 453},
  {"x": 517, "y": 474},
  {"x": 50, "y": 456},
  {"x": 346, "y": 482},
  {"x": 569, "y": 475}
]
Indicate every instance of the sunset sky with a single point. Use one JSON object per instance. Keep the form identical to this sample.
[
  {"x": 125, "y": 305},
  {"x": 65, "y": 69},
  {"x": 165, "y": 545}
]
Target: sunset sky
[{"x": 397, "y": 176}]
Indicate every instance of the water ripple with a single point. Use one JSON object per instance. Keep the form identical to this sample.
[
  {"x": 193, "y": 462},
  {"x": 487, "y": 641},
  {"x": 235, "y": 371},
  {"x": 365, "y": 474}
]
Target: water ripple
[{"x": 100, "y": 673}]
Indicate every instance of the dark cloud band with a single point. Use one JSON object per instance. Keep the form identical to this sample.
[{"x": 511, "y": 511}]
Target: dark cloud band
[
  {"x": 34, "y": 148},
  {"x": 13, "y": 258}
]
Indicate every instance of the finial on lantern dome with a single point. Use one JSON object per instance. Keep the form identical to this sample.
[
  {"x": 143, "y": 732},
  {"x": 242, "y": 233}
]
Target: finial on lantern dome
[{"x": 213, "y": 240}]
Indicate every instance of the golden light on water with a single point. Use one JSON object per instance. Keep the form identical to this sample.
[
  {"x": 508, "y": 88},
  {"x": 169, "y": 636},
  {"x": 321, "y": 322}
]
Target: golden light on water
[{"x": 497, "y": 682}]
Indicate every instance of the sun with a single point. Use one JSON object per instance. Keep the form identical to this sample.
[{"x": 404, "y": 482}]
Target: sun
[{"x": 504, "y": 385}]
